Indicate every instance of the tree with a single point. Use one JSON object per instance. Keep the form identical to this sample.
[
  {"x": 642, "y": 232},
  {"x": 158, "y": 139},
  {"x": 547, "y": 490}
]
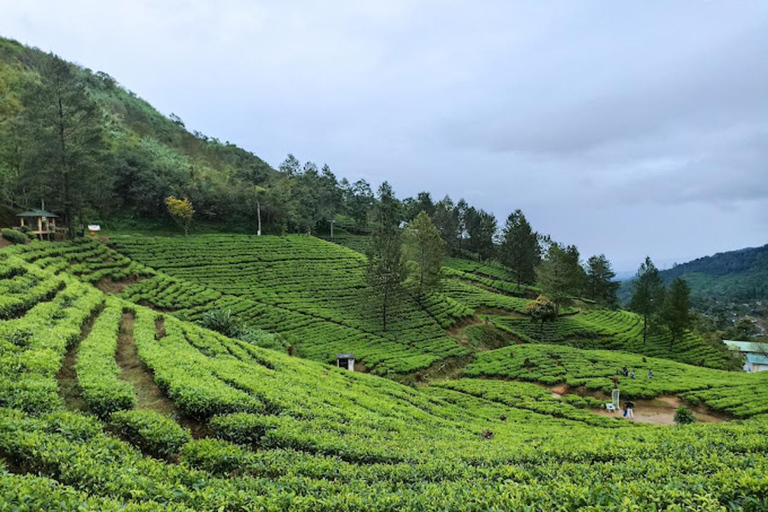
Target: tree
[
  {"x": 65, "y": 131},
  {"x": 482, "y": 228},
  {"x": 181, "y": 211},
  {"x": 330, "y": 197},
  {"x": 361, "y": 202},
  {"x": 520, "y": 248},
  {"x": 425, "y": 248},
  {"x": 386, "y": 268},
  {"x": 461, "y": 219},
  {"x": 258, "y": 192},
  {"x": 560, "y": 275},
  {"x": 541, "y": 310},
  {"x": 648, "y": 295},
  {"x": 676, "y": 312},
  {"x": 599, "y": 282},
  {"x": 446, "y": 221}
]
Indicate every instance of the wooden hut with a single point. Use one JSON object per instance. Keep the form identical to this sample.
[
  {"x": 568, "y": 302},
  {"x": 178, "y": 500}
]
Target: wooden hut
[{"x": 39, "y": 222}]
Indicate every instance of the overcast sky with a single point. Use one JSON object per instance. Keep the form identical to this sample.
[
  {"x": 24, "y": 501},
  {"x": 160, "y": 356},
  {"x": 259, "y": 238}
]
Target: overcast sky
[{"x": 627, "y": 128}]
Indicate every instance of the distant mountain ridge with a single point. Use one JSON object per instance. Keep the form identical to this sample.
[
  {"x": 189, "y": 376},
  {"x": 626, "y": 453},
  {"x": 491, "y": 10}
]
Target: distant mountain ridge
[{"x": 741, "y": 274}]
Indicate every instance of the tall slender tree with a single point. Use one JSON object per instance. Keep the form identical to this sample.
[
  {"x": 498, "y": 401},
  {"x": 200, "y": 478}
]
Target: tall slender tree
[
  {"x": 446, "y": 221},
  {"x": 386, "y": 268},
  {"x": 65, "y": 129},
  {"x": 560, "y": 275},
  {"x": 599, "y": 283},
  {"x": 676, "y": 312},
  {"x": 520, "y": 248},
  {"x": 648, "y": 295},
  {"x": 425, "y": 250}
]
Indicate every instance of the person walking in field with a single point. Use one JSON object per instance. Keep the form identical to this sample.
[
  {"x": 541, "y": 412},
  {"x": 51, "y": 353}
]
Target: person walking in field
[
  {"x": 630, "y": 413},
  {"x": 650, "y": 374},
  {"x": 626, "y": 409}
]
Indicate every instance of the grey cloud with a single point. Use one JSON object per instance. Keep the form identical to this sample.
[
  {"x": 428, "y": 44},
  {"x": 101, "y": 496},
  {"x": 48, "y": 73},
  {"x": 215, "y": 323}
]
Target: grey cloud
[{"x": 629, "y": 128}]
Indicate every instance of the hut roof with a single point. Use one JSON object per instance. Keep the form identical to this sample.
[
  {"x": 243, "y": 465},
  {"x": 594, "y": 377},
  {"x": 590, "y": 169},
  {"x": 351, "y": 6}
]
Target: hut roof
[
  {"x": 37, "y": 213},
  {"x": 345, "y": 356}
]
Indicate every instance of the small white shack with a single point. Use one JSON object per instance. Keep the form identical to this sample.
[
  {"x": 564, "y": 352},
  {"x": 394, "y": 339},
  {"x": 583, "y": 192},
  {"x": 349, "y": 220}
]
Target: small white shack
[
  {"x": 755, "y": 354},
  {"x": 346, "y": 361}
]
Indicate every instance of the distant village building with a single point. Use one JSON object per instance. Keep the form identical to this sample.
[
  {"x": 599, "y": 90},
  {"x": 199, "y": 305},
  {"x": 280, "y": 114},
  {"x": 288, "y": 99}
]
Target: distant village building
[
  {"x": 755, "y": 354},
  {"x": 346, "y": 361},
  {"x": 39, "y": 222}
]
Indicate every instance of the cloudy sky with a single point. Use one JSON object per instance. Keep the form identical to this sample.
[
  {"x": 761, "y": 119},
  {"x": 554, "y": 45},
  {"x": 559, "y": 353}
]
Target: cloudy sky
[{"x": 628, "y": 128}]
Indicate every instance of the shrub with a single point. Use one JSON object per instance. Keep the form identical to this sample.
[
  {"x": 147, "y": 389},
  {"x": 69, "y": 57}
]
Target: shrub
[
  {"x": 684, "y": 416},
  {"x": 243, "y": 428},
  {"x": 223, "y": 322},
  {"x": 214, "y": 455},
  {"x": 153, "y": 433},
  {"x": 13, "y": 236}
]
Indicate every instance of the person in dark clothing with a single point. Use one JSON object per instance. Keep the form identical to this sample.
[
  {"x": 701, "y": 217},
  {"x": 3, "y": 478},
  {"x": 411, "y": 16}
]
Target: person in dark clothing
[{"x": 626, "y": 372}]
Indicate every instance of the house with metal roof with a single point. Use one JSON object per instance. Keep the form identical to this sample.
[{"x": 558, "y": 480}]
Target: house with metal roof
[{"x": 755, "y": 354}]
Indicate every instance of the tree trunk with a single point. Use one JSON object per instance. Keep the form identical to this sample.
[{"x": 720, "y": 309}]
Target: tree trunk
[
  {"x": 384, "y": 310},
  {"x": 65, "y": 172},
  {"x": 645, "y": 327},
  {"x": 258, "y": 216},
  {"x": 421, "y": 269}
]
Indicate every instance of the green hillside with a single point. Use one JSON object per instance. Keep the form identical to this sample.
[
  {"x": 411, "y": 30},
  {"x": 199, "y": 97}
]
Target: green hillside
[
  {"x": 142, "y": 157},
  {"x": 731, "y": 276},
  {"x": 142, "y": 370},
  {"x": 237, "y": 427}
]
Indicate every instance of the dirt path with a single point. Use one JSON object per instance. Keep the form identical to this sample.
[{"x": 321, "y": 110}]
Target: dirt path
[
  {"x": 660, "y": 411},
  {"x": 69, "y": 391},
  {"x": 135, "y": 372}
]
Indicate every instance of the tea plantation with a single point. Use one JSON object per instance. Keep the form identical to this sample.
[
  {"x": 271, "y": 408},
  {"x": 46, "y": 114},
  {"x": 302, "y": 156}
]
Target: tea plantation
[{"x": 116, "y": 400}]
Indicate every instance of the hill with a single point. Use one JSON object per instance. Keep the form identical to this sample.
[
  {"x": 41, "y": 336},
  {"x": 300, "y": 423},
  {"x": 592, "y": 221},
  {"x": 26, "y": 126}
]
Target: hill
[
  {"x": 312, "y": 293},
  {"x": 142, "y": 155},
  {"x": 116, "y": 406},
  {"x": 733, "y": 276}
]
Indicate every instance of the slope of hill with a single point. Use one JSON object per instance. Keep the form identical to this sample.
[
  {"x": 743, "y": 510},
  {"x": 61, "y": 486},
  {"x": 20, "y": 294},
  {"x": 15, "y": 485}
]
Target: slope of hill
[
  {"x": 735, "y": 275},
  {"x": 312, "y": 294},
  {"x": 732, "y": 276},
  {"x": 146, "y": 156},
  {"x": 231, "y": 426}
]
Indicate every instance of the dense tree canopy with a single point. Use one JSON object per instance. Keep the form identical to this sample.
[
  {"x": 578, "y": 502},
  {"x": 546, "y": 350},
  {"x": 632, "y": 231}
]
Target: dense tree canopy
[
  {"x": 520, "y": 248},
  {"x": 599, "y": 282}
]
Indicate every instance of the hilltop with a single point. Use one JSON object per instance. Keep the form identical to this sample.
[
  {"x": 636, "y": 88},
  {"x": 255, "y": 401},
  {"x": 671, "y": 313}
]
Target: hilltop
[{"x": 735, "y": 275}]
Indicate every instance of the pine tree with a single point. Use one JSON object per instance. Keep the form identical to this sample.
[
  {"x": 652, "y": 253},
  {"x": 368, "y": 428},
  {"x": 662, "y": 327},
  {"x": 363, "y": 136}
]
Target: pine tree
[
  {"x": 561, "y": 277},
  {"x": 386, "y": 268},
  {"x": 520, "y": 248},
  {"x": 648, "y": 295},
  {"x": 676, "y": 313},
  {"x": 425, "y": 249},
  {"x": 599, "y": 283},
  {"x": 65, "y": 129}
]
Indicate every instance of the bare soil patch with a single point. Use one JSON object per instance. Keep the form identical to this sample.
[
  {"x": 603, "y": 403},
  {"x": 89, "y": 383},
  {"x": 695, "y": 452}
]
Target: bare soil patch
[
  {"x": 69, "y": 391},
  {"x": 660, "y": 411},
  {"x": 109, "y": 286},
  {"x": 135, "y": 372}
]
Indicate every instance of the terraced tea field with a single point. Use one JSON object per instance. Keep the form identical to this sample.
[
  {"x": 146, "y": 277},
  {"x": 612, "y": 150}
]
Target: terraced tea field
[{"x": 237, "y": 427}]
